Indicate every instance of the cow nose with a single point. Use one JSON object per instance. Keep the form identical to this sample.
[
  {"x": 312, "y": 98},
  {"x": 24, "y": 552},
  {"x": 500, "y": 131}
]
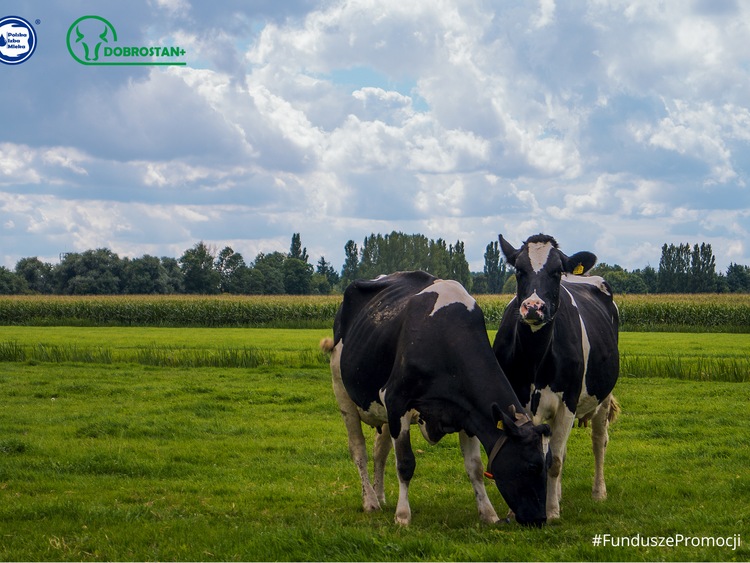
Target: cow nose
[{"x": 533, "y": 308}]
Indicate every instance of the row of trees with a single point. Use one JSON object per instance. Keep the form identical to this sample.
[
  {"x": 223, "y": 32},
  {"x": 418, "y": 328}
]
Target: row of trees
[
  {"x": 682, "y": 269},
  {"x": 200, "y": 269},
  {"x": 382, "y": 254},
  {"x": 205, "y": 270}
]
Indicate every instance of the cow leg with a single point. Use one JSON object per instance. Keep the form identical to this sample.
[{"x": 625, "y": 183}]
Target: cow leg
[
  {"x": 558, "y": 443},
  {"x": 383, "y": 444},
  {"x": 405, "y": 464},
  {"x": 599, "y": 439},
  {"x": 353, "y": 423},
  {"x": 470, "y": 449}
]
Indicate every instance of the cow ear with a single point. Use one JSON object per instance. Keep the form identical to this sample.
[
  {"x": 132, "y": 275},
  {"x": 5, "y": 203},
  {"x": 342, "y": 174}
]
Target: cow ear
[
  {"x": 506, "y": 421},
  {"x": 580, "y": 263},
  {"x": 508, "y": 250}
]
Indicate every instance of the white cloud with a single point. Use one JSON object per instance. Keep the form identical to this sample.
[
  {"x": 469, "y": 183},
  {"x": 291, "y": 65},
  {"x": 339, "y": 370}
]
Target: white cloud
[
  {"x": 16, "y": 165},
  {"x": 618, "y": 125}
]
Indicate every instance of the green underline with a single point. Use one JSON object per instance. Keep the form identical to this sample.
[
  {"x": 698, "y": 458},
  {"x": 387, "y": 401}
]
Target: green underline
[{"x": 134, "y": 64}]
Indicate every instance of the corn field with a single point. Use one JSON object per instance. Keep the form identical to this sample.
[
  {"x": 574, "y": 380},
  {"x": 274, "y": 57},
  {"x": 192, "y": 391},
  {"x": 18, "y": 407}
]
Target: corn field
[
  {"x": 660, "y": 313},
  {"x": 675, "y": 313},
  {"x": 187, "y": 311}
]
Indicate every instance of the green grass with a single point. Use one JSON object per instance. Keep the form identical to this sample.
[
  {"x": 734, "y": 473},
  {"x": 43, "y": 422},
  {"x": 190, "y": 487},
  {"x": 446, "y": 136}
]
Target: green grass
[
  {"x": 167, "y": 347},
  {"x": 694, "y": 356},
  {"x": 701, "y": 357},
  {"x": 131, "y": 462}
]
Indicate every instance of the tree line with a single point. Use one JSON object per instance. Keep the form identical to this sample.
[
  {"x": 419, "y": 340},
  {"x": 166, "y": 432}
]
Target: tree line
[{"x": 203, "y": 269}]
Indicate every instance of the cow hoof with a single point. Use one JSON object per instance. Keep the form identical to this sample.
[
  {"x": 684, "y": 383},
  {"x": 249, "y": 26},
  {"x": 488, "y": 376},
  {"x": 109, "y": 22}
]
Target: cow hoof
[
  {"x": 490, "y": 520},
  {"x": 371, "y": 506},
  {"x": 402, "y": 521}
]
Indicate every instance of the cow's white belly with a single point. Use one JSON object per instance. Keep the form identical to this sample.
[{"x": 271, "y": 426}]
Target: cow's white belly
[
  {"x": 587, "y": 404},
  {"x": 375, "y": 415}
]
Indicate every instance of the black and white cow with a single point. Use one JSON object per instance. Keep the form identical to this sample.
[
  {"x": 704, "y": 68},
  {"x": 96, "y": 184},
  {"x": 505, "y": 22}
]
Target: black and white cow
[
  {"x": 557, "y": 344},
  {"x": 410, "y": 348}
]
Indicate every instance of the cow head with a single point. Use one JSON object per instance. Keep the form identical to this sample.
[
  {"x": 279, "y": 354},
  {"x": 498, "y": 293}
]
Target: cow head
[
  {"x": 539, "y": 268},
  {"x": 91, "y": 45},
  {"x": 518, "y": 466}
]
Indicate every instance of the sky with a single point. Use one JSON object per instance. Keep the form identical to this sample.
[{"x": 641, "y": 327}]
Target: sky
[{"x": 613, "y": 126}]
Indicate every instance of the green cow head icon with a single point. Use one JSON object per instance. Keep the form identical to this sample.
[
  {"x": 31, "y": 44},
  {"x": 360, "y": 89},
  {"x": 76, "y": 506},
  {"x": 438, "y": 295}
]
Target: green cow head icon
[
  {"x": 86, "y": 33},
  {"x": 87, "y": 44}
]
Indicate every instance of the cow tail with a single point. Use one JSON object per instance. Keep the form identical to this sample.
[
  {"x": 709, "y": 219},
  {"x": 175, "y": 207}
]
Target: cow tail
[
  {"x": 326, "y": 345},
  {"x": 614, "y": 409}
]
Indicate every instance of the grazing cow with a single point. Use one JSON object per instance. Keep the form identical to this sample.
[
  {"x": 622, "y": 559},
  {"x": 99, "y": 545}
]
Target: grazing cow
[
  {"x": 410, "y": 348},
  {"x": 557, "y": 344}
]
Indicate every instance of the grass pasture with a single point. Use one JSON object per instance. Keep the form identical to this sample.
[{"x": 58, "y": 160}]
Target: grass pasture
[
  {"x": 693, "y": 356},
  {"x": 125, "y": 460}
]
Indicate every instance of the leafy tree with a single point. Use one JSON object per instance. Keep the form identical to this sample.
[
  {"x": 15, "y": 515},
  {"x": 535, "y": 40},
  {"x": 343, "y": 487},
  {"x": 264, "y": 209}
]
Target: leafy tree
[
  {"x": 297, "y": 276},
  {"x": 510, "y": 285},
  {"x": 459, "y": 266},
  {"x": 620, "y": 279},
  {"x": 38, "y": 274},
  {"x": 175, "y": 279},
  {"x": 92, "y": 272},
  {"x": 439, "y": 259},
  {"x": 197, "y": 265},
  {"x": 494, "y": 267},
  {"x": 145, "y": 275},
  {"x": 479, "y": 283},
  {"x": 702, "y": 269},
  {"x": 231, "y": 267},
  {"x": 11, "y": 283},
  {"x": 674, "y": 268},
  {"x": 296, "y": 251},
  {"x": 271, "y": 268},
  {"x": 350, "y": 271},
  {"x": 738, "y": 278},
  {"x": 326, "y": 270},
  {"x": 385, "y": 254},
  {"x": 650, "y": 278}
]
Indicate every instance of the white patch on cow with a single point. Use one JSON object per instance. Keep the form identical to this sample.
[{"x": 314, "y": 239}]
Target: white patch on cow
[
  {"x": 585, "y": 343},
  {"x": 596, "y": 281},
  {"x": 549, "y": 403},
  {"x": 338, "y": 384},
  {"x": 449, "y": 292},
  {"x": 374, "y": 416},
  {"x": 587, "y": 404},
  {"x": 538, "y": 254}
]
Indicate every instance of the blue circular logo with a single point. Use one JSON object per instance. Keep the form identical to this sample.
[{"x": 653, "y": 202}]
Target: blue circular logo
[{"x": 17, "y": 40}]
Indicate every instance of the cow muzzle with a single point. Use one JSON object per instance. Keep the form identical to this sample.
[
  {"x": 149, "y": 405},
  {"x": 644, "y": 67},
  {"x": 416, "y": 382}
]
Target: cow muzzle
[{"x": 534, "y": 310}]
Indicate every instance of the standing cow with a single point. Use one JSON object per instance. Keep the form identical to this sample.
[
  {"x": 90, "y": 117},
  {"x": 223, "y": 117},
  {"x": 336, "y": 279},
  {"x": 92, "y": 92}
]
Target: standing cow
[
  {"x": 557, "y": 344},
  {"x": 410, "y": 348}
]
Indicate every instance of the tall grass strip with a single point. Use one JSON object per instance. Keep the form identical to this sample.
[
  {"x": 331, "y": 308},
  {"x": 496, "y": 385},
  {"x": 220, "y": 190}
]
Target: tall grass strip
[{"x": 229, "y": 357}]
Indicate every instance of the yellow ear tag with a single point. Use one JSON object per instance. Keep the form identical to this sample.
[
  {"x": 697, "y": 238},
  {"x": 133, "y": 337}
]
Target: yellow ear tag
[
  {"x": 500, "y": 424},
  {"x": 578, "y": 270}
]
